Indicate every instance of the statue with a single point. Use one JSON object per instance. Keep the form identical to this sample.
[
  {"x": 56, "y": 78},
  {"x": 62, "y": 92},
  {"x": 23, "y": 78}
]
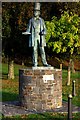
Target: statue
[{"x": 37, "y": 30}]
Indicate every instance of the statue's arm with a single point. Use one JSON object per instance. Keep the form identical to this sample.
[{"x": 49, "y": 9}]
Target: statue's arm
[
  {"x": 44, "y": 27},
  {"x": 28, "y": 31},
  {"x": 29, "y": 27}
]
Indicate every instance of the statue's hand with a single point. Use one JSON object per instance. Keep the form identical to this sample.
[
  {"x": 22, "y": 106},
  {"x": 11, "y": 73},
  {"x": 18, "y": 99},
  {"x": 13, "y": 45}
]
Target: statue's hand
[
  {"x": 26, "y": 33},
  {"x": 42, "y": 33}
]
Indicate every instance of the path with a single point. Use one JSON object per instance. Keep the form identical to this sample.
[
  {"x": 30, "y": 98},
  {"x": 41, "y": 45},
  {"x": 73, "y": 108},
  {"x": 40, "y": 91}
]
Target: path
[{"x": 14, "y": 108}]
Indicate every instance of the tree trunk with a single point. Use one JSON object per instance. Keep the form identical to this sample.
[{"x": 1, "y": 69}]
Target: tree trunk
[
  {"x": 73, "y": 70},
  {"x": 10, "y": 70},
  {"x": 22, "y": 63},
  {"x": 69, "y": 73},
  {"x": 61, "y": 66}
]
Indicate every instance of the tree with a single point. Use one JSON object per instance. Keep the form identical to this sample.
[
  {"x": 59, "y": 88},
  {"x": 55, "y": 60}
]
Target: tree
[
  {"x": 63, "y": 35},
  {"x": 14, "y": 19}
]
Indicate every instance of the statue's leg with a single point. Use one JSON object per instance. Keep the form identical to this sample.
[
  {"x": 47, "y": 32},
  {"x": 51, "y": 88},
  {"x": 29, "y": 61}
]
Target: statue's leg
[
  {"x": 35, "y": 55},
  {"x": 43, "y": 56}
]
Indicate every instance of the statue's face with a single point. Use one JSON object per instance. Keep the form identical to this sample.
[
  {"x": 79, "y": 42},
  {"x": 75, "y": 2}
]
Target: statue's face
[{"x": 36, "y": 13}]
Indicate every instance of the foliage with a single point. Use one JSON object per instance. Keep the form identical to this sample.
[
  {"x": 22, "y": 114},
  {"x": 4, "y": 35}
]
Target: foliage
[
  {"x": 15, "y": 17},
  {"x": 14, "y": 20},
  {"x": 63, "y": 34}
]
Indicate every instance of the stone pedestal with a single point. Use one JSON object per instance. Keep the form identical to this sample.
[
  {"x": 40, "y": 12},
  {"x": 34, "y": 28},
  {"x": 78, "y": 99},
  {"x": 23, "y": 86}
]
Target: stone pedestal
[{"x": 40, "y": 88}]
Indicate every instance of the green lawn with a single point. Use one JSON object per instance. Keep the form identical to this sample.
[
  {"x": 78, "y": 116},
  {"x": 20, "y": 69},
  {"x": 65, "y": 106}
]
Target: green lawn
[
  {"x": 66, "y": 90},
  {"x": 43, "y": 116},
  {"x": 10, "y": 87},
  {"x": 5, "y": 70},
  {"x": 10, "y": 93}
]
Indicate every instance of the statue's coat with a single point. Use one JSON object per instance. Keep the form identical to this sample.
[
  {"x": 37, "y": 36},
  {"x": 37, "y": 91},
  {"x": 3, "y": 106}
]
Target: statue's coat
[{"x": 31, "y": 29}]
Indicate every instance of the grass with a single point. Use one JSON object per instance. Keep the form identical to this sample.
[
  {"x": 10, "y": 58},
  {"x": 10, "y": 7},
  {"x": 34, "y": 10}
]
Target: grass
[
  {"x": 10, "y": 87},
  {"x": 66, "y": 90},
  {"x": 43, "y": 116},
  {"x": 5, "y": 70},
  {"x": 10, "y": 93}
]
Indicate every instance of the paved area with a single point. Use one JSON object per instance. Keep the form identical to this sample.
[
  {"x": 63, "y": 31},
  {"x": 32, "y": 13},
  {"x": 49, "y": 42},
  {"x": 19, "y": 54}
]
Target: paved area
[{"x": 14, "y": 108}]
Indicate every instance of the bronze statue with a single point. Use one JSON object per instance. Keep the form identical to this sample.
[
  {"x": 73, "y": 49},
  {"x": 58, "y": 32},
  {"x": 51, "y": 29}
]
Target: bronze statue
[{"x": 37, "y": 31}]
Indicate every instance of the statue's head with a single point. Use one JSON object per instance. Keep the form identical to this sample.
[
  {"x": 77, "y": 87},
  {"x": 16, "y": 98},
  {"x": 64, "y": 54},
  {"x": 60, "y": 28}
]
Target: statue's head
[{"x": 37, "y": 9}]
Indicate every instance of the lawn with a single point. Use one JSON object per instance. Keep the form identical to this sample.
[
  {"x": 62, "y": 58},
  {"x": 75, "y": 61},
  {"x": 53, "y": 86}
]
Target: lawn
[
  {"x": 66, "y": 90},
  {"x": 10, "y": 87},
  {"x": 10, "y": 93},
  {"x": 43, "y": 116}
]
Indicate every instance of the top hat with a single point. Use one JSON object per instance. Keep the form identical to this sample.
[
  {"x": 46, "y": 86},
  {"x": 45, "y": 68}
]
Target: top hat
[{"x": 37, "y": 6}]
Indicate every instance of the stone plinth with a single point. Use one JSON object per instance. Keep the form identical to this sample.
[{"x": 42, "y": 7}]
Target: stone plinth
[{"x": 40, "y": 88}]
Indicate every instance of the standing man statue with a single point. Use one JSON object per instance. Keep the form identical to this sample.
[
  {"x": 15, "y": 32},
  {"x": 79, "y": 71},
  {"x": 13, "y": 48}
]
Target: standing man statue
[{"x": 37, "y": 31}]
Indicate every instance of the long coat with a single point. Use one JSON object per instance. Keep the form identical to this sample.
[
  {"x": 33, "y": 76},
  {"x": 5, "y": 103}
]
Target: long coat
[{"x": 31, "y": 29}]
